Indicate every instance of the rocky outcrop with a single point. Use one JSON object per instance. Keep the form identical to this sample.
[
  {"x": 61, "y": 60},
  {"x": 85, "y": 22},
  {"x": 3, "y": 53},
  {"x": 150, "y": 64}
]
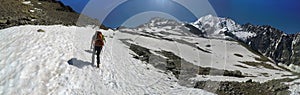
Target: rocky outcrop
[
  {"x": 281, "y": 47},
  {"x": 295, "y": 57},
  {"x": 273, "y": 87},
  {"x": 40, "y": 12}
]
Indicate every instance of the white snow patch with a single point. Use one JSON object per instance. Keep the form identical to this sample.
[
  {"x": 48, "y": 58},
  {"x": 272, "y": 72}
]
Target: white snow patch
[
  {"x": 31, "y": 11},
  {"x": 26, "y": 2},
  {"x": 38, "y": 9},
  {"x": 244, "y": 35},
  {"x": 294, "y": 68},
  {"x": 294, "y": 87},
  {"x": 291, "y": 67}
]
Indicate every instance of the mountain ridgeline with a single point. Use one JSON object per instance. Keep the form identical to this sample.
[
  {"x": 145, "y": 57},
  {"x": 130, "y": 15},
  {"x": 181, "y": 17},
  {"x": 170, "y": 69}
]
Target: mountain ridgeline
[
  {"x": 281, "y": 47},
  {"x": 40, "y": 12},
  {"x": 271, "y": 42}
]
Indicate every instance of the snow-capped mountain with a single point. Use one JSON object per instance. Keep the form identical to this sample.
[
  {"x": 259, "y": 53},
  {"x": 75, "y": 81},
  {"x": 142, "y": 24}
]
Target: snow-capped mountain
[
  {"x": 216, "y": 27},
  {"x": 271, "y": 42},
  {"x": 159, "y": 57}
]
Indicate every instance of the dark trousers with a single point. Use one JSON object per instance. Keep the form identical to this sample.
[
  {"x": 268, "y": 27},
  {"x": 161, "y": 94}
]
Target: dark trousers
[{"x": 98, "y": 51}]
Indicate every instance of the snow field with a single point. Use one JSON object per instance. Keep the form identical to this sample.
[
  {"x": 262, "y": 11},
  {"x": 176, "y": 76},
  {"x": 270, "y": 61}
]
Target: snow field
[
  {"x": 222, "y": 55},
  {"x": 36, "y": 63}
]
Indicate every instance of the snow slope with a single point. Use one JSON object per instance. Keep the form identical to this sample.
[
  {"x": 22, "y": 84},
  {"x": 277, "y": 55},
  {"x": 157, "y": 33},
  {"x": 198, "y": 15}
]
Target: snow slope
[
  {"x": 221, "y": 54},
  {"x": 36, "y": 63},
  {"x": 214, "y": 52}
]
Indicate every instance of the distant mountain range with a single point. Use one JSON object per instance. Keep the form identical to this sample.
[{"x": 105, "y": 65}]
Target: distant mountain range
[{"x": 271, "y": 42}]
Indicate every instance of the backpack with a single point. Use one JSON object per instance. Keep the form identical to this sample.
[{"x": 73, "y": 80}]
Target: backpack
[{"x": 99, "y": 40}]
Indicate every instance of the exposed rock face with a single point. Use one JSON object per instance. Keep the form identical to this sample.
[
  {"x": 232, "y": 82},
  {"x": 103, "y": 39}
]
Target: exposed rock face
[
  {"x": 195, "y": 30},
  {"x": 296, "y": 49},
  {"x": 39, "y": 12},
  {"x": 281, "y": 47}
]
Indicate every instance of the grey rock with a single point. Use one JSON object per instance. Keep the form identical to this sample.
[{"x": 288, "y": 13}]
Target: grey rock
[
  {"x": 281, "y": 47},
  {"x": 3, "y": 21}
]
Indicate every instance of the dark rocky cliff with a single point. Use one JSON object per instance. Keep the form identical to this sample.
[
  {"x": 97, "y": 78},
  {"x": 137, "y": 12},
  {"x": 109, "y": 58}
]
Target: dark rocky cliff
[
  {"x": 40, "y": 12},
  {"x": 281, "y": 47}
]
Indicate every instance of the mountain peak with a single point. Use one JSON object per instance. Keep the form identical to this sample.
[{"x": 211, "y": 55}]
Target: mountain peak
[
  {"x": 206, "y": 18},
  {"x": 215, "y": 27}
]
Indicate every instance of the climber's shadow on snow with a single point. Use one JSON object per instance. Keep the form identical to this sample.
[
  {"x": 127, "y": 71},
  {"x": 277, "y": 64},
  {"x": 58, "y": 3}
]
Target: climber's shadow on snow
[{"x": 79, "y": 63}]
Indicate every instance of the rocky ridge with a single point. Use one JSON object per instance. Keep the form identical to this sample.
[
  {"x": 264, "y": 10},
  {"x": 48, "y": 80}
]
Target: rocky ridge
[
  {"x": 281, "y": 47},
  {"x": 271, "y": 42},
  {"x": 40, "y": 12}
]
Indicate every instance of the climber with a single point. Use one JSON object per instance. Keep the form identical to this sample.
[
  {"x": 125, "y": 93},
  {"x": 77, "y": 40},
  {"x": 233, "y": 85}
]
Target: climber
[{"x": 97, "y": 45}]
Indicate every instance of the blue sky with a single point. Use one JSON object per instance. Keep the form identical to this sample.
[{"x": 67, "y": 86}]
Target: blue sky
[
  {"x": 281, "y": 14},
  {"x": 129, "y": 9}
]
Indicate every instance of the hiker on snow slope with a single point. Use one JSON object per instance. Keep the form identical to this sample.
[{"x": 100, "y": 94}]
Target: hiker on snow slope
[{"x": 97, "y": 45}]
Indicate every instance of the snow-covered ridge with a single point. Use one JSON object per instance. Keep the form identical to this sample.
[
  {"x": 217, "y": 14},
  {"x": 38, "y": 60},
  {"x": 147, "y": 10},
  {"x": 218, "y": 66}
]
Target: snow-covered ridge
[{"x": 210, "y": 26}]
